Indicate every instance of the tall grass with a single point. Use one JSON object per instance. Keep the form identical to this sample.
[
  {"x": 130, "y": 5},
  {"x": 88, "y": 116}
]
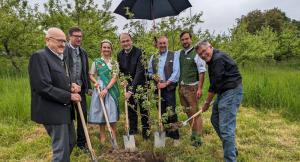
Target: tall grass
[
  {"x": 15, "y": 98},
  {"x": 272, "y": 86}
]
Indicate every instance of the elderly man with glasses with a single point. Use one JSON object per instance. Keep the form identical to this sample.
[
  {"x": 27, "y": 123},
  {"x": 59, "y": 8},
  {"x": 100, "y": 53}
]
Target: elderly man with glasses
[
  {"x": 225, "y": 81},
  {"x": 52, "y": 94}
]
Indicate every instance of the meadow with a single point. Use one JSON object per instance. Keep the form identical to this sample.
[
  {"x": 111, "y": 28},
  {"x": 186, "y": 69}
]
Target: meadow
[{"x": 267, "y": 125}]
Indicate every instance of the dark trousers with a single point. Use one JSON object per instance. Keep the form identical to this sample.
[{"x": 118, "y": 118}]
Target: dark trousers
[
  {"x": 81, "y": 141},
  {"x": 168, "y": 101},
  {"x": 133, "y": 117},
  {"x": 62, "y": 139}
]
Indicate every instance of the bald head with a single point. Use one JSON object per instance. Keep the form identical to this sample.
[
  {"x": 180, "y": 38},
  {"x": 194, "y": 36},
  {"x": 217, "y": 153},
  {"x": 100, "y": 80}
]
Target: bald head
[
  {"x": 126, "y": 41},
  {"x": 163, "y": 38},
  {"x": 125, "y": 35},
  {"x": 55, "y": 40},
  {"x": 55, "y": 32}
]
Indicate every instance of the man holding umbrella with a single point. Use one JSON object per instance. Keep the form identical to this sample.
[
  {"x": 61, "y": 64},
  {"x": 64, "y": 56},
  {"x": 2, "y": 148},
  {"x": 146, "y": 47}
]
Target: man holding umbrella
[{"x": 130, "y": 63}]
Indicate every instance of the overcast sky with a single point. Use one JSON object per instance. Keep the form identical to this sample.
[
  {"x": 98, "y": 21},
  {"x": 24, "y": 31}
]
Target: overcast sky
[{"x": 220, "y": 15}]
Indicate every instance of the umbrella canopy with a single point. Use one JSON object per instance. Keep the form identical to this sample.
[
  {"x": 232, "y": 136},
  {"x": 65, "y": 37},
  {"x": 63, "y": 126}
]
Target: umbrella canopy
[{"x": 152, "y": 9}]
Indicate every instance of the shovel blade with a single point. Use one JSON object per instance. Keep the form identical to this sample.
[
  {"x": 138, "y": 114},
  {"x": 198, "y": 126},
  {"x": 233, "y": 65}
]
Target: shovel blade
[
  {"x": 94, "y": 159},
  {"x": 129, "y": 142},
  {"x": 114, "y": 143},
  {"x": 93, "y": 156},
  {"x": 159, "y": 139}
]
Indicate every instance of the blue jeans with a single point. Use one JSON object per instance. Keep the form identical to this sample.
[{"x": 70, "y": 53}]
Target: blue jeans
[{"x": 223, "y": 119}]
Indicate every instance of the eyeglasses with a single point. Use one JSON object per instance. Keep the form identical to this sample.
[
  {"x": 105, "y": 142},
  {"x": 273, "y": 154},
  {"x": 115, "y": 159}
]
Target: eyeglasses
[
  {"x": 76, "y": 36},
  {"x": 203, "y": 51},
  {"x": 59, "y": 40}
]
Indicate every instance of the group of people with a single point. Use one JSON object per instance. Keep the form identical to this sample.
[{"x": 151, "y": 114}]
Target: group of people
[{"x": 60, "y": 78}]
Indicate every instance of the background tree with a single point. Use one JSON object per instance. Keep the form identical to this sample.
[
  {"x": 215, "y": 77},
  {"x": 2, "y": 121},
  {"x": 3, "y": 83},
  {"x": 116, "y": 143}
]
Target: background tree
[
  {"x": 96, "y": 22},
  {"x": 20, "y": 34},
  {"x": 244, "y": 46},
  {"x": 257, "y": 19},
  {"x": 284, "y": 30}
]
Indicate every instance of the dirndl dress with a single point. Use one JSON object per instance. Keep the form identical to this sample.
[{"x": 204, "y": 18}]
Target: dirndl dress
[{"x": 96, "y": 115}]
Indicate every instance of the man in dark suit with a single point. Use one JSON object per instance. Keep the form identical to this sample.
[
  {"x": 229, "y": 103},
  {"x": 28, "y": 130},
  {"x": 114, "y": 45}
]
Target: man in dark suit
[
  {"x": 130, "y": 63},
  {"x": 77, "y": 60},
  {"x": 168, "y": 70},
  {"x": 52, "y": 94}
]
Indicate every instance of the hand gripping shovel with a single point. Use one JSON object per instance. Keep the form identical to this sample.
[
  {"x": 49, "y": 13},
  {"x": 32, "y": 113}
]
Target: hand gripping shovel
[
  {"x": 87, "y": 137},
  {"x": 159, "y": 137},
  {"x": 129, "y": 141},
  {"x": 184, "y": 123},
  {"x": 113, "y": 139}
]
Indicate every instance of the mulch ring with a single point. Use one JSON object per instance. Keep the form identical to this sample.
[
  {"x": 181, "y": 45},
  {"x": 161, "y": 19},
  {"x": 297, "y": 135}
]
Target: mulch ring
[{"x": 119, "y": 155}]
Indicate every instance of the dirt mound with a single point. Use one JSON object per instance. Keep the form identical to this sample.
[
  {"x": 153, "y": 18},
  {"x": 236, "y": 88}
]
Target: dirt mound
[{"x": 136, "y": 156}]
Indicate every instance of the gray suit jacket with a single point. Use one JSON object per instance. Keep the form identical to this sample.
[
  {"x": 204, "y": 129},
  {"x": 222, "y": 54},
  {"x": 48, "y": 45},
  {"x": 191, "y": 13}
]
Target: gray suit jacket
[{"x": 85, "y": 66}]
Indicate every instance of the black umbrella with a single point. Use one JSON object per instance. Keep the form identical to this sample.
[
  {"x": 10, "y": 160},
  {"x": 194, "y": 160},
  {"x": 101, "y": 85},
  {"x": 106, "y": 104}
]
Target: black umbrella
[{"x": 152, "y": 9}]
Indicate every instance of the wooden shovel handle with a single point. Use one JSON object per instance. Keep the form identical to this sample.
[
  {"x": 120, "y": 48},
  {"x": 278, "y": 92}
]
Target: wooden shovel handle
[
  {"x": 126, "y": 112},
  {"x": 196, "y": 114},
  {"x": 85, "y": 130},
  {"x": 105, "y": 113},
  {"x": 159, "y": 110}
]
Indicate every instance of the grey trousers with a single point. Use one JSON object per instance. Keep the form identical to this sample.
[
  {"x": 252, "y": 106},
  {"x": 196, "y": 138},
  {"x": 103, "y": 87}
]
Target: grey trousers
[{"x": 63, "y": 139}]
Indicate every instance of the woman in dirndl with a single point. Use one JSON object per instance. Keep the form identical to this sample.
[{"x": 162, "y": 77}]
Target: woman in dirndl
[{"x": 104, "y": 74}]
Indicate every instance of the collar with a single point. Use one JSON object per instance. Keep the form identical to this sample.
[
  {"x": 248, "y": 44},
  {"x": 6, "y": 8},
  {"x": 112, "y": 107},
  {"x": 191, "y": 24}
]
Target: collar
[
  {"x": 104, "y": 59},
  {"x": 129, "y": 50},
  {"x": 213, "y": 55},
  {"x": 186, "y": 51},
  {"x": 164, "y": 53},
  {"x": 72, "y": 46},
  {"x": 60, "y": 56}
]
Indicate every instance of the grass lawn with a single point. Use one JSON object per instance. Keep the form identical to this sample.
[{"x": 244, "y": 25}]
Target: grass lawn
[
  {"x": 268, "y": 132},
  {"x": 261, "y": 136}
]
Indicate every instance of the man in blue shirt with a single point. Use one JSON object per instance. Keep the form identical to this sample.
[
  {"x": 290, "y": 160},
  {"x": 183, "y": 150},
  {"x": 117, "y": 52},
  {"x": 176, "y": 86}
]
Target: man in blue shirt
[{"x": 166, "y": 66}]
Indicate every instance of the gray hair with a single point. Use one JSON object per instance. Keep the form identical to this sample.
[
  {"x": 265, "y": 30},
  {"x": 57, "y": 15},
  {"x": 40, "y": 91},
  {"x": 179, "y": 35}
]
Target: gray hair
[{"x": 202, "y": 43}]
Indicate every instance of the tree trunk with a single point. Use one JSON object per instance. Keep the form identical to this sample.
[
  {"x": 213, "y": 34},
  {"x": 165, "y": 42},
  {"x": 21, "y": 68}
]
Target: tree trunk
[{"x": 10, "y": 56}]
